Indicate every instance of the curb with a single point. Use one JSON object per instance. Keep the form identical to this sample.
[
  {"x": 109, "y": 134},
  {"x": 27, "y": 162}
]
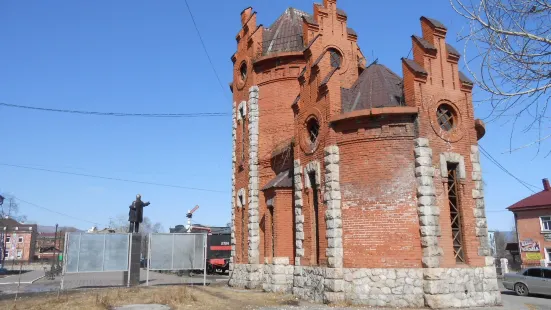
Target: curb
[{"x": 26, "y": 282}]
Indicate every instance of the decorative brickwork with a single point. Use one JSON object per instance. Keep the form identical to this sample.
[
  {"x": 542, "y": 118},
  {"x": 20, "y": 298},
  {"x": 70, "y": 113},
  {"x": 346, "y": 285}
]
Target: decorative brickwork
[{"x": 361, "y": 186}]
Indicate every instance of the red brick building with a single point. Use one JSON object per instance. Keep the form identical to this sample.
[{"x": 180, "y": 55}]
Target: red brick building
[
  {"x": 351, "y": 183},
  {"x": 533, "y": 224},
  {"x": 19, "y": 240}
]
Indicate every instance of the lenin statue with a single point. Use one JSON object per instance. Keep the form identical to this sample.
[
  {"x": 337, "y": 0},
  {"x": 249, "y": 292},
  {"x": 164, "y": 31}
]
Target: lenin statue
[{"x": 135, "y": 215}]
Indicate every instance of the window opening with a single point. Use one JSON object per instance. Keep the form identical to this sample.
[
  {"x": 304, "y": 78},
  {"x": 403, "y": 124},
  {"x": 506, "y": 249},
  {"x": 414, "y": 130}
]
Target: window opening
[
  {"x": 455, "y": 214},
  {"x": 243, "y": 71},
  {"x": 242, "y": 229},
  {"x": 272, "y": 231},
  {"x": 8, "y": 239},
  {"x": 313, "y": 128},
  {"x": 545, "y": 223},
  {"x": 446, "y": 117},
  {"x": 315, "y": 222},
  {"x": 19, "y": 253},
  {"x": 335, "y": 57},
  {"x": 242, "y": 111},
  {"x": 20, "y": 240},
  {"x": 7, "y": 254}
]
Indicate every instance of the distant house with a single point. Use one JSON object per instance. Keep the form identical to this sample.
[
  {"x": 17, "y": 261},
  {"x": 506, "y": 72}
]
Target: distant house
[
  {"x": 18, "y": 240},
  {"x": 48, "y": 243},
  {"x": 533, "y": 222}
]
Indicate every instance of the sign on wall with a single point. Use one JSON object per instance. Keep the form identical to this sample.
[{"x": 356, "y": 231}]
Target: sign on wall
[
  {"x": 529, "y": 245},
  {"x": 533, "y": 256}
]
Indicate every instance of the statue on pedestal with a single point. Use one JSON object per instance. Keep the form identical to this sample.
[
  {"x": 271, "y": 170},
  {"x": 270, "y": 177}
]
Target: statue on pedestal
[{"x": 135, "y": 215}]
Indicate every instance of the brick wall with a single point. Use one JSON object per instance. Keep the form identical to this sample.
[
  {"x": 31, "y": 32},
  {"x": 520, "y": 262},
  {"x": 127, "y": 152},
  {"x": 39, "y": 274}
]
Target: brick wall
[
  {"x": 283, "y": 225},
  {"x": 529, "y": 227},
  {"x": 442, "y": 85},
  {"x": 380, "y": 221}
]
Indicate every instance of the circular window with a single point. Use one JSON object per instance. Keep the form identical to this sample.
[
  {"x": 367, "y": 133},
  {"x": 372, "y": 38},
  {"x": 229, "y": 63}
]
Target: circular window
[
  {"x": 313, "y": 128},
  {"x": 446, "y": 117},
  {"x": 336, "y": 58},
  {"x": 243, "y": 71}
]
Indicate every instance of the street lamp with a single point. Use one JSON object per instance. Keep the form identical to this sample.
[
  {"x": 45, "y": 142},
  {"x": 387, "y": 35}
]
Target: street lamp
[{"x": 1, "y": 200}]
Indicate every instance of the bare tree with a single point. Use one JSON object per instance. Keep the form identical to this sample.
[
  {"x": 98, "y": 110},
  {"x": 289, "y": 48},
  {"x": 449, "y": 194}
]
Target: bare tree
[
  {"x": 512, "y": 60},
  {"x": 10, "y": 209}
]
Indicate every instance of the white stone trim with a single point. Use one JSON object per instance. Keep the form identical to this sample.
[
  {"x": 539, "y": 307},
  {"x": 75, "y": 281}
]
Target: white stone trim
[
  {"x": 241, "y": 198},
  {"x": 332, "y": 198},
  {"x": 313, "y": 166},
  {"x": 299, "y": 217},
  {"x": 233, "y": 196},
  {"x": 254, "y": 215},
  {"x": 454, "y": 158},
  {"x": 241, "y": 110},
  {"x": 334, "y": 283},
  {"x": 481, "y": 225},
  {"x": 429, "y": 213}
]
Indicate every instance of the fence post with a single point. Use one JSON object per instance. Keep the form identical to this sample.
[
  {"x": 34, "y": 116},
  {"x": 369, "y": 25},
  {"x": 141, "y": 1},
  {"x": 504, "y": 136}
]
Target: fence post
[
  {"x": 64, "y": 262},
  {"x": 129, "y": 259},
  {"x": 504, "y": 266},
  {"x": 205, "y": 259},
  {"x": 148, "y": 259}
]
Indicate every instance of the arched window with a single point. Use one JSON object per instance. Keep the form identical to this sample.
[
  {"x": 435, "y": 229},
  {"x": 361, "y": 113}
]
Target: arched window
[
  {"x": 335, "y": 57},
  {"x": 243, "y": 71},
  {"x": 446, "y": 117}
]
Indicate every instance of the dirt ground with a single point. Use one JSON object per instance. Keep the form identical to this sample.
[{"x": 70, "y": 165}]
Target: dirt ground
[{"x": 177, "y": 297}]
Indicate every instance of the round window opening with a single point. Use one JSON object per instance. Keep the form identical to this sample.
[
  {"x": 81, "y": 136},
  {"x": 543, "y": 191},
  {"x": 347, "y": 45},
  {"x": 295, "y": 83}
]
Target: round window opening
[
  {"x": 446, "y": 117},
  {"x": 313, "y": 128},
  {"x": 243, "y": 71},
  {"x": 336, "y": 58}
]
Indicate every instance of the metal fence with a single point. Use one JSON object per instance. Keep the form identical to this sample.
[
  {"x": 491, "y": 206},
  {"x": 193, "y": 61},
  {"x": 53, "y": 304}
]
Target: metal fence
[
  {"x": 177, "y": 252},
  {"x": 96, "y": 252}
]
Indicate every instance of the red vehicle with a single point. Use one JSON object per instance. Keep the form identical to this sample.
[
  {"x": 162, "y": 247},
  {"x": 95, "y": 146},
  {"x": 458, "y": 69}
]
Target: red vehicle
[{"x": 218, "y": 252}]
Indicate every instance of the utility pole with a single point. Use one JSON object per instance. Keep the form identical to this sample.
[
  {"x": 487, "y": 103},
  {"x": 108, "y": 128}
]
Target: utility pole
[
  {"x": 55, "y": 241},
  {"x": 3, "y": 235}
]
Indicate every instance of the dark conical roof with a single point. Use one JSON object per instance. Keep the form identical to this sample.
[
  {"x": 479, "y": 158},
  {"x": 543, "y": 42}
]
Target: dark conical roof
[
  {"x": 376, "y": 87},
  {"x": 285, "y": 34}
]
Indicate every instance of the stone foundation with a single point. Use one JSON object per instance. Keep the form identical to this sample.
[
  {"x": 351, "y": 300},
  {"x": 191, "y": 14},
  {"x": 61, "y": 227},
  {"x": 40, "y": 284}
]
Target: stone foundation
[
  {"x": 385, "y": 287},
  {"x": 246, "y": 276},
  {"x": 461, "y": 287},
  {"x": 278, "y": 276}
]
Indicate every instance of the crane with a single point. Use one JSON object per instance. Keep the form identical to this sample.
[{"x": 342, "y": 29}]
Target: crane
[{"x": 189, "y": 215}]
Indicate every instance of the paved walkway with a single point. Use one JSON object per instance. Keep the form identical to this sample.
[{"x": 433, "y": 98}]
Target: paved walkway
[
  {"x": 26, "y": 277},
  {"x": 97, "y": 280}
]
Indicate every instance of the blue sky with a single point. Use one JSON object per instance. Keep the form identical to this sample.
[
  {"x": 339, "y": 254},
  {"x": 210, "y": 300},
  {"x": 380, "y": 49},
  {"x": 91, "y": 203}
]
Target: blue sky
[{"x": 145, "y": 57}]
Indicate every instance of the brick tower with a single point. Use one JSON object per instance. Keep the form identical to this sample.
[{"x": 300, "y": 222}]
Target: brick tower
[{"x": 351, "y": 183}]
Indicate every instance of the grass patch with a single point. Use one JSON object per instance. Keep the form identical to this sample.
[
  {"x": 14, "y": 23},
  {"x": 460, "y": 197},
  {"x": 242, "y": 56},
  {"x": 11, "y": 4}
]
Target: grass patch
[{"x": 176, "y": 298}]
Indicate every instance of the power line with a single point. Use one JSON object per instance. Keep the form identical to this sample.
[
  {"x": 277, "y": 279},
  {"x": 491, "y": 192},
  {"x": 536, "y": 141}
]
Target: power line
[
  {"x": 495, "y": 162},
  {"x": 119, "y": 114},
  {"x": 53, "y": 211},
  {"x": 113, "y": 179},
  {"x": 205, "y": 49}
]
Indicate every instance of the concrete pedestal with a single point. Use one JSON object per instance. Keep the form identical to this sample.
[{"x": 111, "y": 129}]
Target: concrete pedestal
[{"x": 135, "y": 255}]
